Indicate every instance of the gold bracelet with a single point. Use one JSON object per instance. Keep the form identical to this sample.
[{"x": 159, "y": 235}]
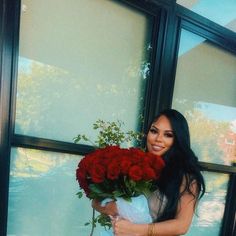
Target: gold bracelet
[{"x": 151, "y": 230}]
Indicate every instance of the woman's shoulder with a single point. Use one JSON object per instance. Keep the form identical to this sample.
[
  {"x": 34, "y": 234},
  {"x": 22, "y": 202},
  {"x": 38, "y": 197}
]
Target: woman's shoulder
[{"x": 189, "y": 184}]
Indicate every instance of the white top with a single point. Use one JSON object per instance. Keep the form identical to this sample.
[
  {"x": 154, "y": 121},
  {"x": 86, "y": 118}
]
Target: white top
[{"x": 157, "y": 203}]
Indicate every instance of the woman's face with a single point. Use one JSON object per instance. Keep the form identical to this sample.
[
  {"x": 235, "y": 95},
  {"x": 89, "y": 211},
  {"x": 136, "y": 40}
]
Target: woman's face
[{"x": 160, "y": 137}]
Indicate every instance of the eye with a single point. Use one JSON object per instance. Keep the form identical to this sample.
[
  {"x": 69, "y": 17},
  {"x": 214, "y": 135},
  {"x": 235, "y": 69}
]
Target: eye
[
  {"x": 169, "y": 135},
  {"x": 153, "y": 131}
]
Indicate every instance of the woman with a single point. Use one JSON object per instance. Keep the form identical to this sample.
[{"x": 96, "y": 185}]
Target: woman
[{"x": 180, "y": 186}]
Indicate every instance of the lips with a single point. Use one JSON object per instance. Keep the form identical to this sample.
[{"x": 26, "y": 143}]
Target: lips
[{"x": 157, "y": 148}]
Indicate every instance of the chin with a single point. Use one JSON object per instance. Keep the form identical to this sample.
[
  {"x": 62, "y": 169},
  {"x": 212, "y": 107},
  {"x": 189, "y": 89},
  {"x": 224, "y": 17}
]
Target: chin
[{"x": 157, "y": 153}]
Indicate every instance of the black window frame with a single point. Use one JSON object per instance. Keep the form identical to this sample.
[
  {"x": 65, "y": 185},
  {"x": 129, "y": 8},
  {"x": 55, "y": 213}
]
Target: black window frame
[{"x": 169, "y": 19}]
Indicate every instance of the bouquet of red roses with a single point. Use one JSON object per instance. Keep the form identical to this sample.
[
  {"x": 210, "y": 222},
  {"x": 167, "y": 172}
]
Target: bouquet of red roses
[
  {"x": 119, "y": 173},
  {"x": 113, "y": 172}
]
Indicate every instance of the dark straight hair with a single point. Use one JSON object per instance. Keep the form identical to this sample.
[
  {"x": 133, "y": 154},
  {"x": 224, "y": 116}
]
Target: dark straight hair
[{"x": 181, "y": 165}]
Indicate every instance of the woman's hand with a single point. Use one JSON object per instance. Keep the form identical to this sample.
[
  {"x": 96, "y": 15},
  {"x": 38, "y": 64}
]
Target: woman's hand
[
  {"x": 122, "y": 227},
  {"x": 109, "y": 209}
]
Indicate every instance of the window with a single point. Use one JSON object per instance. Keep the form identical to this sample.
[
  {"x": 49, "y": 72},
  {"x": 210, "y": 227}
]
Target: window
[
  {"x": 78, "y": 62},
  {"x": 66, "y": 64},
  {"x": 205, "y": 91},
  {"x": 70, "y": 73}
]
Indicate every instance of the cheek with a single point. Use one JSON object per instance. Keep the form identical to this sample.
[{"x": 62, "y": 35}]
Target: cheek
[
  {"x": 170, "y": 143},
  {"x": 148, "y": 141}
]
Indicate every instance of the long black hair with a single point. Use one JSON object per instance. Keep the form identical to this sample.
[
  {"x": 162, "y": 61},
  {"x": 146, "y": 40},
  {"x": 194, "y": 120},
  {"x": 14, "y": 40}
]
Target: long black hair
[{"x": 181, "y": 165}]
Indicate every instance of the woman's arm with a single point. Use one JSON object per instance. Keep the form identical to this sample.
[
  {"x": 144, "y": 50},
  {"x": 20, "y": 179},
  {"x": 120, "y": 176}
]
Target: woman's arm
[{"x": 177, "y": 226}]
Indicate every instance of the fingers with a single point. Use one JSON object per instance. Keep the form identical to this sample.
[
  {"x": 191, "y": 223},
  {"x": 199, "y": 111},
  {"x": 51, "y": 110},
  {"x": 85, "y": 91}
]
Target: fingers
[
  {"x": 112, "y": 208},
  {"x": 114, "y": 220}
]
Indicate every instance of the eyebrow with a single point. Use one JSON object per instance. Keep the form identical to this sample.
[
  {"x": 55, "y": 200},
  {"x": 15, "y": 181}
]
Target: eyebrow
[{"x": 168, "y": 130}]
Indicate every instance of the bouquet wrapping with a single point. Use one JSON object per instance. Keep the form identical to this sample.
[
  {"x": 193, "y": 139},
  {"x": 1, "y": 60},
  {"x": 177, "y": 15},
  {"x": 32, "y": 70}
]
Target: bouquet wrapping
[
  {"x": 136, "y": 211},
  {"x": 124, "y": 175}
]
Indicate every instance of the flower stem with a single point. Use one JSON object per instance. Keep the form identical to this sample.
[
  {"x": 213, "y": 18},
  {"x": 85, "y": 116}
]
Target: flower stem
[{"x": 93, "y": 223}]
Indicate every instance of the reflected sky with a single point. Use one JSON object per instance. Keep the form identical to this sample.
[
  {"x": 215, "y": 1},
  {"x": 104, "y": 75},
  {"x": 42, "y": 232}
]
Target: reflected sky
[
  {"x": 218, "y": 112},
  {"x": 212, "y": 10},
  {"x": 189, "y": 41}
]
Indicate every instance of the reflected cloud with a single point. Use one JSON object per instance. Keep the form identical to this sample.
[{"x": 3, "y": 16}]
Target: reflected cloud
[
  {"x": 211, "y": 212},
  {"x": 30, "y": 163}
]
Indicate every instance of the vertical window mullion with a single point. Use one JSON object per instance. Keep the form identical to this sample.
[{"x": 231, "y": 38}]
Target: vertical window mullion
[
  {"x": 8, "y": 15},
  {"x": 229, "y": 219}
]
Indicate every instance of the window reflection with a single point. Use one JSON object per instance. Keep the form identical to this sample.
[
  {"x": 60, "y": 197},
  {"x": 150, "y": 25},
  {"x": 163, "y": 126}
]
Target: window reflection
[
  {"x": 90, "y": 63},
  {"x": 42, "y": 195},
  {"x": 213, "y": 130},
  {"x": 207, "y": 220},
  {"x": 221, "y": 12},
  {"x": 205, "y": 92}
]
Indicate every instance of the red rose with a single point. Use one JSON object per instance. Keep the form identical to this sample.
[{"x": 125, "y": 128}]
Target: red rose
[
  {"x": 81, "y": 178},
  {"x": 135, "y": 173},
  {"x": 125, "y": 165},
  {"x": 98, "y": 173},
  {"x": 158, "y": 164},
  {"x": 149, "y": 173},
  {"x": 113, "y": 170}
]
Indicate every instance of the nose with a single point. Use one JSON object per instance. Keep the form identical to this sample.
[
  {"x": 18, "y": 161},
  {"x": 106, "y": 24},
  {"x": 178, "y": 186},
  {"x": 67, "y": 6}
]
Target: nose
[{"x": 159, "y": 137}]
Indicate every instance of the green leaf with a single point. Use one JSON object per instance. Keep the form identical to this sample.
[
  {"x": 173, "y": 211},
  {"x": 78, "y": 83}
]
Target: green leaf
[
  {"x": 118, "y": 193},
  {"x": 77, "y": 139},
  {"x": 79, "y": 194},
  {"x": 111, "y": 133},
  {"x": 84, "y": 137},
  {"x": 95, "y": 188},
  {"x": 104, "y": 221}
]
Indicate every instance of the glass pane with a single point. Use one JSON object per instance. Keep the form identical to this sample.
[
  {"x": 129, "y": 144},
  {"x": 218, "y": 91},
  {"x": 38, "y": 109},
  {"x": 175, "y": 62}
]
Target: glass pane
[
  {"x": 221, "y": 12},
  {"x": 39, "y": 202},
  {"x": 210, "y": 211},
  {"x": 205, "y": 92},
  {"x": 80, "y": 61}
]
